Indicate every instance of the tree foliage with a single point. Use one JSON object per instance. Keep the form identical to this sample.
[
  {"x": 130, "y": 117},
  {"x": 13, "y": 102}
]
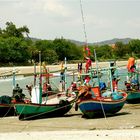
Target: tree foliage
[{"x": 17, "y": 47}]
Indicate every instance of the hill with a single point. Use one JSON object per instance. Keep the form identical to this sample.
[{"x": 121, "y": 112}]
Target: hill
[{"x": 108, "y": 42}]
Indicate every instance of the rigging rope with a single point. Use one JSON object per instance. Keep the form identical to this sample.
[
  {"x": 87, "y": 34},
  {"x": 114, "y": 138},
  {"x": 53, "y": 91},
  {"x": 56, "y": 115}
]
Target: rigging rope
[{"x": 83, "y": 20}]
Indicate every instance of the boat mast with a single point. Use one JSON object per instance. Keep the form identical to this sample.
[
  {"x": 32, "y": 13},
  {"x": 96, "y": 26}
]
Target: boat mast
[
  {"x": 34, "y": 74},
  {"x": 14, "y": 78},
  {"x": 96, "y": 66},
  {"x": 110, "y": 73},
  {"x": 65, "y": 74},
  {"x": 40, "y": 79}
]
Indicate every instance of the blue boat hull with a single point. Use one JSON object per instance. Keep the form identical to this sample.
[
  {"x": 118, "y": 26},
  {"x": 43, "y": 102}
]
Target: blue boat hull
[{"x": 92, "y": 108}]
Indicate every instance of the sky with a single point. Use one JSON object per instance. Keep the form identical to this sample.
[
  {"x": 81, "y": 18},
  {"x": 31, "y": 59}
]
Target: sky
[{"x": 50, "y": 19}]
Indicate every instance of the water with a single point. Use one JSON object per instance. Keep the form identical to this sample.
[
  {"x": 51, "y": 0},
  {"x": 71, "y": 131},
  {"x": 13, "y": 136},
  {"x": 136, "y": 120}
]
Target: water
[{"x": 6, "y": 85}]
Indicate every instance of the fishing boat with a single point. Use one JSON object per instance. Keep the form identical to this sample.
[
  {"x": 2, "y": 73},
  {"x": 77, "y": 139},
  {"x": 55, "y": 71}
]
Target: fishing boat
[
  {"x": 94, "y": 101},
  {"x": 53, "y": 107},
  {"x": 43, "y": 107},
  {"x": 7, "y": 102},
  {"x": 132, "y": 82},
  {"x": 97, "y": 105},
  {"x": 6, "y": 106}
]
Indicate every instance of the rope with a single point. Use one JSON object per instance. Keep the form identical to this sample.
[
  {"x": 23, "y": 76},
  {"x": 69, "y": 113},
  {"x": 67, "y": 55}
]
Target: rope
[
  {"x": 104, "y": 114},
  {"x": 29, "y": 117},
  {"x": 36, "y": 115},
  {"x": 11, "y": 105}
]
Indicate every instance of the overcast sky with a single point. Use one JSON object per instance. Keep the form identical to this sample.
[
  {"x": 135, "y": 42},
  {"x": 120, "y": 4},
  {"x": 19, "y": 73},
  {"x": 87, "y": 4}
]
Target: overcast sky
[{"x": 50, "y": 19}]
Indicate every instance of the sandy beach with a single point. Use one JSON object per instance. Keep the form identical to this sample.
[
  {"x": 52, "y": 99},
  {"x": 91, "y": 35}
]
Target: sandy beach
[{"x": 125, "y": 125}]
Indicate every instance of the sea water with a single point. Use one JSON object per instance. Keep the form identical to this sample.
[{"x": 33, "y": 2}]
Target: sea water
[{"x": 6, "y": 85}]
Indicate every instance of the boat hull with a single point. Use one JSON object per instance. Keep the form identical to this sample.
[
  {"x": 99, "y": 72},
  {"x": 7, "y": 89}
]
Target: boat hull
[
  {"x": 7, "y": 110},
  {"x": 35, "y": 111},
  {"x": 133, "y": 97},
  {"x": 91, "y": 108}
]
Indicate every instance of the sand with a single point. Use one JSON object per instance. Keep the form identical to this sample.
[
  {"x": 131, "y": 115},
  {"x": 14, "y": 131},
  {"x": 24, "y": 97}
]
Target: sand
[
  {"x": 30, "y": 69},
  {"x": 125, "y": 125},
  {"x": 74, "y": 135}
]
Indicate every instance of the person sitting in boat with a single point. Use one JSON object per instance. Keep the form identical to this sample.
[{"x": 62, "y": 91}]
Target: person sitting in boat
[
  {"x": 86, "y": 80},
  {"x": 17, "y": 94},
  {"x": 115, "y": 83},
  {"x": 135, "y": 84},
  {"x": 73, "y": 86},
  {"x": 128, "y": 85}
]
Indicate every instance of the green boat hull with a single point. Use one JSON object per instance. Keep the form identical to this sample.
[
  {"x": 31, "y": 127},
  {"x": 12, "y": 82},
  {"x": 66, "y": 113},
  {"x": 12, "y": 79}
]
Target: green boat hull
[
  {"x": 35, "y": 111},
  {"x": 133, "y": 97}
]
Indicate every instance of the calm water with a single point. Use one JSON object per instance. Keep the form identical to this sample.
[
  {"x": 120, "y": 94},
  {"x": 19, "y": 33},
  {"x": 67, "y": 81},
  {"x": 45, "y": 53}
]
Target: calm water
[{"x": 6, "y": 85}]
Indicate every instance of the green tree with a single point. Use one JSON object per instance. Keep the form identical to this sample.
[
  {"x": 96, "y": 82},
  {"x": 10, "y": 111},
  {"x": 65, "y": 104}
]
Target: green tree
[
  {"x": 134, "y": 46},
  {"x": 119, "y": 50},
  {"x": 65, "y": 48},
  {"x": 12, "y": 31}
]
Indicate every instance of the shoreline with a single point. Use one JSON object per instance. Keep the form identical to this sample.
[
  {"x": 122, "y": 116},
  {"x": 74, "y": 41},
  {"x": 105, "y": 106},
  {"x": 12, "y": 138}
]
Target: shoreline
[{"x": 29, "y": 70}]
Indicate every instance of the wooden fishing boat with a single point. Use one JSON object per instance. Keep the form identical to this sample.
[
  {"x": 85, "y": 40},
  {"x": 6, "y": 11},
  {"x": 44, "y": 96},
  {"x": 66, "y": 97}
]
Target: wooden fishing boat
[
  {"x": 91, "y": 100},
  {"x": 7, "y": 102},
  {"x": 92, "y": 103},
  {"x": 95, "y": 101},
  {"x": 45, "y": 106},
  {"x": 132, "y": 83},
  {"x": 58, "y": 105},
  {"x": 133, "y": 97},
  {"x": 6, "y": 106}
]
